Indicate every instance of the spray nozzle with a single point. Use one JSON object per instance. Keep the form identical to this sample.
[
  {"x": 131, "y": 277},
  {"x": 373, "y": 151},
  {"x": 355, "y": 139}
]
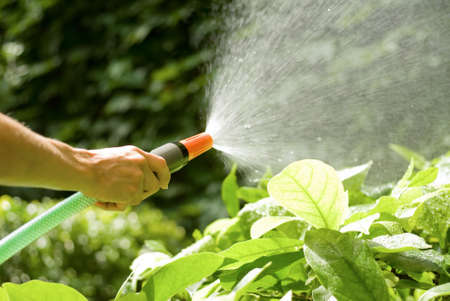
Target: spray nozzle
[{"x": 178, "y": 154}]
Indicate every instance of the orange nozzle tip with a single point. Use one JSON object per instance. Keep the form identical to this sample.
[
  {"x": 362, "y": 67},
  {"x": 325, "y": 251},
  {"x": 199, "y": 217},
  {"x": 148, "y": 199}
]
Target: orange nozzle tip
[{"x": 198, "y": 144}]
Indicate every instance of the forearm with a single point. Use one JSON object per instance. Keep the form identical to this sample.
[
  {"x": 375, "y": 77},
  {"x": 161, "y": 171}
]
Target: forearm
[{"x": 29, "y": 159}]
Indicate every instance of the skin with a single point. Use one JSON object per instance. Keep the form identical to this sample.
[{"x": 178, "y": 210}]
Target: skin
[{"x": 117, "y": 177}]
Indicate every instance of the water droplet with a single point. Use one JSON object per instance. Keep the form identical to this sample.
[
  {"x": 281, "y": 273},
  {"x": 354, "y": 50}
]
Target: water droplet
[
  {"x": 247, "y": 126},
  {"x": 319, "y": 139}
]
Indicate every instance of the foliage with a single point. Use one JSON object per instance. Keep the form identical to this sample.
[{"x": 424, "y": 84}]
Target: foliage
[
  {"x": 39, "y": 290},
  {"x": 308, "y": 240},
  {"x": 90, "y": 252},
  {"x": 394, "y": 247}
]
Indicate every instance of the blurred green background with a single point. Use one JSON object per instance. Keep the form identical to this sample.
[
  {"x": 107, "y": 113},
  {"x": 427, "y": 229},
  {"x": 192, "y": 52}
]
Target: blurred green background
[{"x": 107, "y": 73}]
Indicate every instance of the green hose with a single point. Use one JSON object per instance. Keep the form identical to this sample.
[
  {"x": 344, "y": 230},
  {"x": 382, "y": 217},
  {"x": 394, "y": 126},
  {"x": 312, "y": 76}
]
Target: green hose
[{"x": 29, "y": 232}]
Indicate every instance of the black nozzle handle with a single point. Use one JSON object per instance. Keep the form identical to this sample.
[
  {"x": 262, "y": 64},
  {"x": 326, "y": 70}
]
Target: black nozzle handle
[{"x": 175, "y": 154}]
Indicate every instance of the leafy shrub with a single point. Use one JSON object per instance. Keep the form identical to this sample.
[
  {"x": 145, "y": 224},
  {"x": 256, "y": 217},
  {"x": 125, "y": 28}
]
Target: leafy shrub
[
  {"x": 90, "y": 252},
  {"x": 320, "y": 235}
]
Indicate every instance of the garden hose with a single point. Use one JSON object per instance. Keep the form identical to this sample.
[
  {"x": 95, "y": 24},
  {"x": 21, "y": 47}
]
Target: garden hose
[{"x": 176, "y": 154}]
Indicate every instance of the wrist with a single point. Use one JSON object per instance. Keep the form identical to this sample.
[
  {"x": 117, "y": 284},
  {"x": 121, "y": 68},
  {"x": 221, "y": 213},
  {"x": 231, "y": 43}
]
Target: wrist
[{"x": 76, "y": 173}]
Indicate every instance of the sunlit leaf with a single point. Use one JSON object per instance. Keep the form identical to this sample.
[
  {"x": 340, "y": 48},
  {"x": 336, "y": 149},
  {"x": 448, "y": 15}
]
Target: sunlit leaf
[{"x": 311, "y": 190}]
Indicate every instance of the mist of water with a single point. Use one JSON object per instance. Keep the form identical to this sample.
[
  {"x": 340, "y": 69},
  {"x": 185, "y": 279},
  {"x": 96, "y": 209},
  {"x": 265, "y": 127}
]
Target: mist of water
[{"x": 335, "y": 80}]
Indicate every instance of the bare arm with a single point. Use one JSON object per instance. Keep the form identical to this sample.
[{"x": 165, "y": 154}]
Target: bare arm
[{"x": 117, "y": 176}]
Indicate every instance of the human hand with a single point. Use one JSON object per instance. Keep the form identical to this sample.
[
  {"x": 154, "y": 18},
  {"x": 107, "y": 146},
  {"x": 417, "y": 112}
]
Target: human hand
[{"x": 123, "y": 176}]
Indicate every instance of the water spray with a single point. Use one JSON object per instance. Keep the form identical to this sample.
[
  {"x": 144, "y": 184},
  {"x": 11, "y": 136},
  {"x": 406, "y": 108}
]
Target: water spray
[{"x": 176, "y": 154}]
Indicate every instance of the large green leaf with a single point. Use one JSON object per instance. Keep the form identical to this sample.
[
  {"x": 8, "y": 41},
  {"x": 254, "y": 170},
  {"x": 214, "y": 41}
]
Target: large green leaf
[
  {"x": 345, "y": 266},
  {"x": 311, "y": 190},
  {"x": 250, "y": 250},
  {"x": 36, "y": 290},
  {"x": 229, "y": 192},
  {"x": 178, "y": 274},
  {"x": 398, "y": 243},
  {"x": 441, "y": 290},
  {"x": 417, "y": 261}
]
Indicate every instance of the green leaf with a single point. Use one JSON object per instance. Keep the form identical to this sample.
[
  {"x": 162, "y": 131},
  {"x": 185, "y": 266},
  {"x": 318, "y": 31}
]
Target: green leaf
[
  {"x": 241, "y": 288},
  {"x": 417, "y": 261},
  {"x": 410, "y": 155},
  {"x": 37, "y": 290},
  {"x": 398, "y": 243},
  {"x": 433, "y": 217},
  {"x": 362, "y": 225},
  {"x": 353, "y": 179},
  {"x": 404, "y": 181},
  {"x": 406, "y": 283},
  {"x": 230, "y": 234},
  {"x": 424, "y": 177},
  {"x": 251, "y": 194},
  {"x": 229, "y": 192},
  {"x": 178, "y": 274},
  {"x": 147, "y": 261},
  {"x": 386, "y": 204},
  {"x": 250, "y": 250},
  {"x": 218, "y": 225},
  {"x": 286, "y": 267},
  {"x": 245, "y": 282},
  {"x": 156, "y": 246},
  {"x": 254, "y": 211},
  {"x": 311, "y": 190},
  {"x": 345, "y": 266},
  {"x": 438, "y": 291},
  {"x": 385, "y": 228},
  {"x": 268, "y": 223}
]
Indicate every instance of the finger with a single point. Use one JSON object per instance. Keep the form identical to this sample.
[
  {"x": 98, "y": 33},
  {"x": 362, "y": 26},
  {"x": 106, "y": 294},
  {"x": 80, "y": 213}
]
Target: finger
[
  {"x": 152, "y": 184},
  {"x": 111, "y": 206},
  {"x": 159, "y": 166}
]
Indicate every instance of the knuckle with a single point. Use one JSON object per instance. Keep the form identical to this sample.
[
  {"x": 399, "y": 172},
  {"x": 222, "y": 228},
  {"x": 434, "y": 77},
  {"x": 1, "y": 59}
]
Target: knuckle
[{"x": 132, "y": 148}]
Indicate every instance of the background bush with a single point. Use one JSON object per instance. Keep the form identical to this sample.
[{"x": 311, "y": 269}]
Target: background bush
[{"x": 91, "y": 252}]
